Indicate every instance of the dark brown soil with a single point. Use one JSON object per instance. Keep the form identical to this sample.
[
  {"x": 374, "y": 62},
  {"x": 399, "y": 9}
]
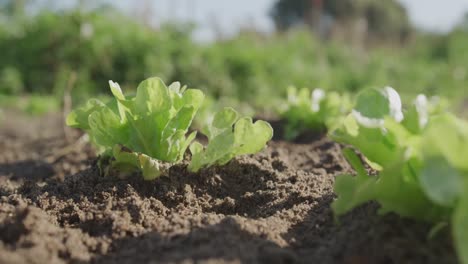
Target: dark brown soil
[{"x": 273, "y": 207}]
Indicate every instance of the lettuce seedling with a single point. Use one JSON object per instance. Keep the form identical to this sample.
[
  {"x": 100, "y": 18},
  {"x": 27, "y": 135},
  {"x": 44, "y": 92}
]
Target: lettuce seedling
[
  {"x": 143, "y": 130},
  {"x": 147, "y": 131},
  {"x": 229, "y": 136},
  {"x": 444, "y": 173},
  {"x": 317, "y": 110},
  {"x": 420, "y": 154}
]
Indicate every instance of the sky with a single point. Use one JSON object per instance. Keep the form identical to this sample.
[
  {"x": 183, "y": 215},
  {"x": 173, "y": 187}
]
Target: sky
[
  {"x": 437, "y": 15},
  {"x": 230, "y": 15}
]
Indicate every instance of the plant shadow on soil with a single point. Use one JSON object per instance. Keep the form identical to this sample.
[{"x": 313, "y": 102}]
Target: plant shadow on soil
[
  {"x": 272, "y": 207},
  {"x": 30, "y": 170},
  {"x": 226, "y": 241}
]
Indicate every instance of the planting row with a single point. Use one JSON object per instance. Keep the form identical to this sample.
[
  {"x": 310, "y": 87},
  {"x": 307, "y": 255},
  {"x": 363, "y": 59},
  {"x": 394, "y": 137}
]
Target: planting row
[
  {"x": 50, "y": 52},
  {"x": 419, "y": 153}
]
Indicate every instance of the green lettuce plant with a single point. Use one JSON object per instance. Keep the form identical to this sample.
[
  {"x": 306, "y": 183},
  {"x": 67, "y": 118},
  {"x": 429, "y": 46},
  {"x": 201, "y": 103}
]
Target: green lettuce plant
[
  {"x": 225, "y": 142},
  {"x": 148, "y": 131},
  {"x": 317, "y": 110},
  {"x": 420, "y": 155}
]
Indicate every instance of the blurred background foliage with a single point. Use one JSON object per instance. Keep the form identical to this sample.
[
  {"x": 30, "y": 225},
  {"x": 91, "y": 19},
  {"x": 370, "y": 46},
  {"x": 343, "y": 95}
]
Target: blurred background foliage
[
  {"x": 341, "y": 45},
  {"x": 379, "y": 20}
]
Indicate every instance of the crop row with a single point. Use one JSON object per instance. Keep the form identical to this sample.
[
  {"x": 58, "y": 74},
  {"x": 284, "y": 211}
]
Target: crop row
[
  {"x": 419, "y": 152},
  {"x": 44, "y": 52}
]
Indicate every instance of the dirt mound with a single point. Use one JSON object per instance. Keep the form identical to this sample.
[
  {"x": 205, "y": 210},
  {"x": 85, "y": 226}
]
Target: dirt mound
[{"x": 273, "y": 207}]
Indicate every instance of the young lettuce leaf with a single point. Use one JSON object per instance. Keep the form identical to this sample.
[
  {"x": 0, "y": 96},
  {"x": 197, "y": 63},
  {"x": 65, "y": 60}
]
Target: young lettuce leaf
[
  {"x": 460, "y": 226},
  {"x": 317, "y": 110},
  {"x": 147, "y": 132},
  {"x": 143, "y": 130},
  {"x": 444, "y": 177},
  {"x": 421, "y": 157},
  {"x": 225, "y": 142}
]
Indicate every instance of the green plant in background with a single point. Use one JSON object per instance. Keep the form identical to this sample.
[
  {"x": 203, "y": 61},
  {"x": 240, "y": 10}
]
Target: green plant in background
[
  {"x": 31, "y": 104},
  {"x": 147, "y": 131},
  {"x": 317, "y": 110},
  {"x": 38, "y": 105},
  {"x": 420, "y": 155},
  {"x": 11, "y": 82},
  {"x": 93, "y": 47}
]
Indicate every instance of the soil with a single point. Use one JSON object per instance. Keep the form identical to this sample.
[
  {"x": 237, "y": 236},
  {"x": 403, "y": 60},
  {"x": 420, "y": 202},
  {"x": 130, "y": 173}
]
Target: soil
[{"x": 272, "y": 207}]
